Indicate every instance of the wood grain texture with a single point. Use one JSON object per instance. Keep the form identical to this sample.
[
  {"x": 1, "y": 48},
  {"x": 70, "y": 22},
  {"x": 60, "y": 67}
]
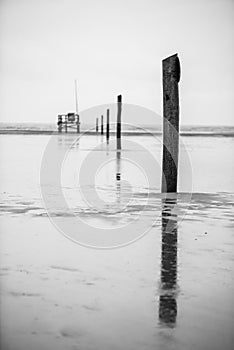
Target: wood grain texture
[{"x": 171, "y": 78}]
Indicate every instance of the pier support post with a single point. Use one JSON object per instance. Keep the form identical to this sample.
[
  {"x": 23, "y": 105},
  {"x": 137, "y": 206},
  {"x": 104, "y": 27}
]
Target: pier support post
[
  {"x": 101, "y": 124},
  {"x": 107, "y": 124},
  {"x": 96, "y": 124},
  {"x": 118, "y": 129},
  {"x": 60, "y": 123},
  {"x": 171, "y": 78},
  {"x": 66, "y": 124},
  {"x": 78, "y": 124}
]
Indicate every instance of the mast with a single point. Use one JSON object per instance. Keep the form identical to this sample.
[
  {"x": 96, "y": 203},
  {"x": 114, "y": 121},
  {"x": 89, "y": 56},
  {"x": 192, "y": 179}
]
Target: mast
[
  {"x": 76, "y": 99},
  {"x": 76, "y": 96}
]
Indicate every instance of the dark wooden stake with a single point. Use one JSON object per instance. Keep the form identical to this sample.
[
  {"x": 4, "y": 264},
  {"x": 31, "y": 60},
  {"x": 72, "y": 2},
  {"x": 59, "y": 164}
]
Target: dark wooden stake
[
  {"x": 60, "y": 123},
  {"x": 171, "y": 78},
  {"x": 96, "y": 124},
  {"x": 66, "y": 124},
  {"x": 118, "y": 130},
  {"x": 78, "y": 124},
  {"x": 107, "y": 124},
  {"x": 102, "y": 124}
]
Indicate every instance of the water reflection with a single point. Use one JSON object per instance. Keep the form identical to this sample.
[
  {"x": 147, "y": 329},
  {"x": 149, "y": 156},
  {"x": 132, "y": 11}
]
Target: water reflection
[
  {"x": 167, "y": 301},
  {"x": 118, "y": 176},
  {"x": 66, "y": 141},
  {"x": 118, "y": 165}
]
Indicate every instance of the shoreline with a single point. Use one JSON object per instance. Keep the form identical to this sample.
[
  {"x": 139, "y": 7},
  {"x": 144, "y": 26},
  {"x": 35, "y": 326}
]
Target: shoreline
[{"x": 113, "y": 133}]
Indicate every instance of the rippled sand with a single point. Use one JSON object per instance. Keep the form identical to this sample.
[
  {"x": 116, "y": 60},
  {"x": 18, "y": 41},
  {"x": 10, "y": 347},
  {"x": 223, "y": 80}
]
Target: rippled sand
[{"x": 171, "y": 289}]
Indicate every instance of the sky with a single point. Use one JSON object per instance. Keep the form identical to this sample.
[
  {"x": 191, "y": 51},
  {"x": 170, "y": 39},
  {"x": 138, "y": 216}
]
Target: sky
[{"x": 115, "y": 47}]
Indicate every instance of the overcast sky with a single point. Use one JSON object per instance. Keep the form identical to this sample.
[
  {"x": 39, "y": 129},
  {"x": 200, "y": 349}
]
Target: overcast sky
[{"x": 115, "y": 47}]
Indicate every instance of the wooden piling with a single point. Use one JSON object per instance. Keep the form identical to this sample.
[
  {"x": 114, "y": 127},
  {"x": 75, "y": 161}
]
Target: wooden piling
[
  {"x": 102, "y": 125},
  {"x": 107, "y": 124},
  {"x": 118, "y": 128},
  {"x": 66, "y": 124},
  {"x": 171, "y": 78},
  {"x": 78, "y": 124},
  {"x": 60, "y": 123},
  {"x": 96, "y": 124}
]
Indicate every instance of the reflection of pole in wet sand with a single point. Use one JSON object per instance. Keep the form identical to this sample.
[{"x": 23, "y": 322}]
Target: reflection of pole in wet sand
[
  {"x": 107, "y": 148},
  {"x": 118, "y": 165},
  {"x": 72, "y": 141},
  {"x": 118, "y": 175},
  {"x": 167, "y": 301}
]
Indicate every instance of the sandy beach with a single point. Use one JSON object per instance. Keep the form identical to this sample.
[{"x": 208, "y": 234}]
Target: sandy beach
[{"x": 160, "y": 292}]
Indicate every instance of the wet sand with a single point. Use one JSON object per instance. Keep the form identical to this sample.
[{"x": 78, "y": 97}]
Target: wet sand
[{"x": 164, "y": 291}]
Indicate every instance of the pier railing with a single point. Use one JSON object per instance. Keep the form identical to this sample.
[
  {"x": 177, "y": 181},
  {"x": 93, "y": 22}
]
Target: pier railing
[{"x": 68, "y": 121}]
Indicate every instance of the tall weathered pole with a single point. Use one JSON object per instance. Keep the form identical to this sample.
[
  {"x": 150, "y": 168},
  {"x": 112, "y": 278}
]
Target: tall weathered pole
[
  {"x": 171, "y": 78},
  {"x": 102, "y": 124},
  {"x": 107, "y": 124},
  {"x": 65, "y": 123},
  {"x": 118, "y": 129}
]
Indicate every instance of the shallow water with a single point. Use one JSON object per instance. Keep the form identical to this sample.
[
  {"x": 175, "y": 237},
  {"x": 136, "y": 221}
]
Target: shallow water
[{"x": 171, "y": 289}]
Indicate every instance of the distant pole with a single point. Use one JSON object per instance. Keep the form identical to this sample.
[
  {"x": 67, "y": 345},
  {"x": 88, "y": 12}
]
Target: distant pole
[
  {"x": 77, "y": 114},
  {"x": 118, "y": 130},
  {"x": 60, "y": 123},
  {"x": 96, "y": 124},
  {"x": 66, "y": 123},
  {"x": 78, "y": 124},
  {"x": 171, "y": 78},
  {"x": 107, "y": 124},
  {"x": 102, "y": 124}
]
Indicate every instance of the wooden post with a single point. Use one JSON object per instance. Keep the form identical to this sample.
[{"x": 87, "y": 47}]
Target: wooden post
[
  {"x": 118, "y": 130},
  {"x": 102, "y": 124},
  {"x": 96, "y": 124},
  {"x": 171, "y": 78},
  {"x": 65, "y": 123},
  {"x": 78, "y": 124},
  {"x": 107, "y": 124},
  {"x": 60, "y": 123}
]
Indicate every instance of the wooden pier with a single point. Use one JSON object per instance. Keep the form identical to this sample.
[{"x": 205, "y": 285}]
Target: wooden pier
[{"x": 68, "y": 121}]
